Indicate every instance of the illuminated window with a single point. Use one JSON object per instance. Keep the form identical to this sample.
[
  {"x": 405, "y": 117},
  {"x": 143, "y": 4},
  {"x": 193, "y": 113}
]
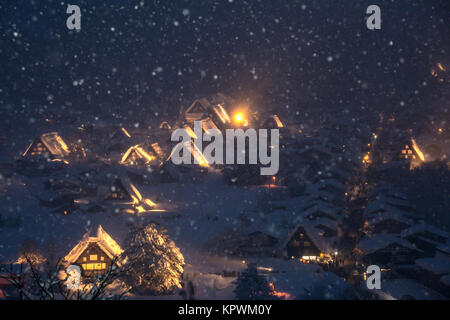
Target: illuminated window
[
  {"x": 102, "y": 258},
  {"x": 93, "y": 257},
  {"x": 84, "y": 259},
  {"x": 99, "y": 266}
]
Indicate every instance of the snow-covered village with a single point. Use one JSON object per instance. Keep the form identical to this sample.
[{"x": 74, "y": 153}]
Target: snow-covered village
[{"x": 94, "y": 206}]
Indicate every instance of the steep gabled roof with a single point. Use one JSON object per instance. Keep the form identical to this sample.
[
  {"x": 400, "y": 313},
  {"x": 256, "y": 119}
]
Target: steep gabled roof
[
  {"x": 198, "y": 106},
  {"x": 120, "y": 133},
  {"x": 139, "y": 152},
  {"x": 376, "y": 207},
  {"x": 102, "y": 239},
  {"x": 54, "y": 144},
  {"x": 420, "y": 228},
  {"x": 382, "y": 241},
  {"x": 434, "y": 265},
  {"x": 324, "y": 244},
  {"x": 388, "y": 215}
]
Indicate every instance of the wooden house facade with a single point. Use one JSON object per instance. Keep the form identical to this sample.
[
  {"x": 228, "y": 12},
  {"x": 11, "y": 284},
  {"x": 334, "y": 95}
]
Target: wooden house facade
[{"x": 94, "y": 254}]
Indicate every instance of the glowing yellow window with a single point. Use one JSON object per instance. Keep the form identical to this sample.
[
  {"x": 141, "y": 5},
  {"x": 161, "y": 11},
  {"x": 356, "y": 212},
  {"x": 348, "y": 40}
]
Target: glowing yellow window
[
  {"x": 404, "y": 151},
  {"x": 84, "y": 259},
  {"x": 90, "y": 266},
  {"x": 93, "y": 257},
  {"x": 102, "y": 258},
  {"x": 98, "y": 266},
  {"x": 409, "y": 151}
]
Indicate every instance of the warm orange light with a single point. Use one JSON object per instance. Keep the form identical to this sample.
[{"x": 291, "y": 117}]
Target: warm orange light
[
  {"x": 239, "y": 117},
  {"x": 417, "y": 150},
  {"x": 279, "y": 294},
  {"x": 440, "y": 66}
]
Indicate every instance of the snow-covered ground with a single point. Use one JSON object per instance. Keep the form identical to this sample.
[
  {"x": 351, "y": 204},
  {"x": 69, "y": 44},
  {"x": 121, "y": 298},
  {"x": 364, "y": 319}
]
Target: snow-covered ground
[{"x": 199, "y": 211}]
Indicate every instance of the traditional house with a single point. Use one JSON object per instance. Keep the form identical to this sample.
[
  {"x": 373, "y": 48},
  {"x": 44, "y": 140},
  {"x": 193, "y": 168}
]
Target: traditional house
[
  {"x": 434, "y": 273},
  {"x": 124, "y": 194},
  {"x": 388, "y": 222},
  {"x": 320, "y": 210},
  {"x": 425, "y": 237},
  {"x": 119, "y": 140},
  {"x": 308, "y": 243},
  {"x": 136, "y": 155},
  {"x": 94, "y": 255},
  {"x": 49, "y": 145},
  {"x": 202, "y": 109},
  {"x": 196, "y": 110},
  {"x": 386, "y": 250}
]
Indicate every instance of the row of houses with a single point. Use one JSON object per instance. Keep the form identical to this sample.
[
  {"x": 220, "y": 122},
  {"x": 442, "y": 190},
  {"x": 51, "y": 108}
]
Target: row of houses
[{"x": 398, "y": 241}]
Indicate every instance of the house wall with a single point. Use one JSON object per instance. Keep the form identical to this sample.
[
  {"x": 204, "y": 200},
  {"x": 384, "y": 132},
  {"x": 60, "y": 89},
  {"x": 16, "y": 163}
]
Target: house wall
[
  {"x": 301, "y": 245},
  {"x": 93, "y": 261}
]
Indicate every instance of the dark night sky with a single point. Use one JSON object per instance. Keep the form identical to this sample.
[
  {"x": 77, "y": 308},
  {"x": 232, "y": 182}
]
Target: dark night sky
[{"x": 134, "y": 57}]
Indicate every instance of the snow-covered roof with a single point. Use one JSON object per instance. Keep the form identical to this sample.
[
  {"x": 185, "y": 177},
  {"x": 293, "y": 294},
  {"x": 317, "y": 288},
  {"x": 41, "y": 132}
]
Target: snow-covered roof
[
  {"x": 396, "y": 202},
  {"x": 445, "y": 280},
  {"x": 384, "y": 189},
  {"x": 324, "y": 244},
  {"x": 328, "y": 210},
  {"x": 419, "y": 228},
  {"x": 401, "y": 288},
  {"x": 332, "y": 224},
  {"x": 381, "y": 206},
  {"x": 120, "y": 133},
  {"x": 102, "y": 239},
  {"x": 381, "y": 241},
  {"x": 383, "y": 216},
  {"x": 54, "y": 143},
  {"x": 434, "y": 265},
  {"x": 139, "y": 152},
  {"x": 444, "y": 248},
  {"x": 334, "y": 183}
]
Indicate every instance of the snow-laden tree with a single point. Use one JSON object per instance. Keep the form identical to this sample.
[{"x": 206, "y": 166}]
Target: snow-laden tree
[
  {"x": 155, "y": 262},
  {"x": 252, "y": 286}
]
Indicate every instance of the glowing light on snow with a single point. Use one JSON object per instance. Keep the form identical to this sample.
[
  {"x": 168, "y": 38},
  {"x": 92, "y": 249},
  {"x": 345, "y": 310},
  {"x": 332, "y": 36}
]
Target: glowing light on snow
[{"x": 417, "y": 150}]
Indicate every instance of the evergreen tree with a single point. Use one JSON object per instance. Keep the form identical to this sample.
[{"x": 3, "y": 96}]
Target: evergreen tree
[
  {"x": 252, "y": 286},
  {"x": 156, "y": 264}
]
